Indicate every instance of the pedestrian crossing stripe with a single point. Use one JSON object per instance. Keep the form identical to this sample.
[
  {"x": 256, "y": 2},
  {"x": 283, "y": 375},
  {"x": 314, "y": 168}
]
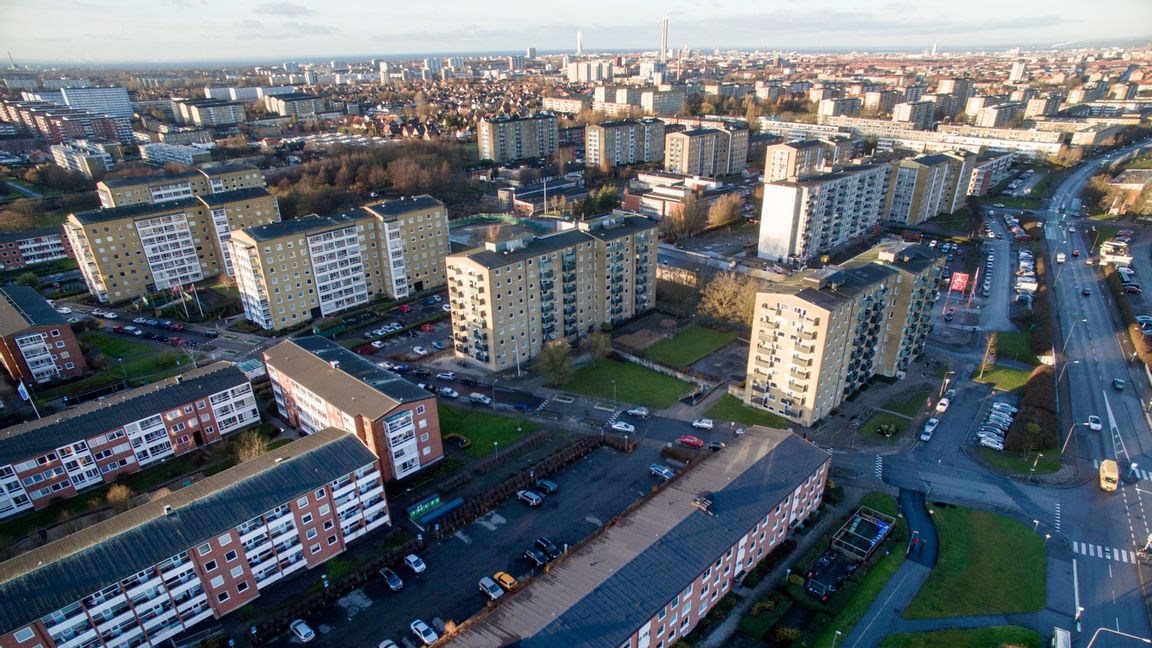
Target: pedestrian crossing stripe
[
  {"x": 1140, "y": 472},
  {"x": 1107, "y": 553}
]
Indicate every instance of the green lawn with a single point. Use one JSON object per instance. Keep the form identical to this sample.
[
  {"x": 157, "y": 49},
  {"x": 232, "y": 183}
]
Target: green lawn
[
  {"x": 989, "y": 564},
  {"x": 1022, "y": 462},
  {"x": 634, "y": 384},
  {"x": 870, "y": 427},
  {"x": 1014, "y": 346},
  {"x": 1014, "y": 636},
  {"x": 140, "y": 370},
  {"x": 115, "y": 346},
  {"x": 1011, "y": 201},
  {"x": 910, "y": 405},
  {"x": 729, "y": 408},
  {"x": 688, "y": 346},
  {"x": 961, "y": 221},
  {"x": 1004, "y": 378},
  {"x": 483, "y": 429}
]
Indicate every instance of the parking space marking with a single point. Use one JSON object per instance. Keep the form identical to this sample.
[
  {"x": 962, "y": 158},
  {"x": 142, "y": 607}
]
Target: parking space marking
[
  {"x": 462, "y": 537},
  {"x": 594, "y": 520},
  {"x": 564, "y": 398},
  {"x": 491, "y": 520}
]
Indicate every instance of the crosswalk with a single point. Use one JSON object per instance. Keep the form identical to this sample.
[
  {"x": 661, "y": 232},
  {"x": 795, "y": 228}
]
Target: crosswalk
[
  {"x": 1056, "y": 520},
  {"x": 1128, "y": 473},
  {"x": 1107, "y": 553},
  {"x": 878, "y": 467}
]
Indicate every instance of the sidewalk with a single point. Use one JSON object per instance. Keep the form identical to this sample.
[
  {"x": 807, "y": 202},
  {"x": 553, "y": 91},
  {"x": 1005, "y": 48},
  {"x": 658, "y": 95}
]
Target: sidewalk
[
  {"x": 884, "y": 615},
  {"x": 724, "y": 632}
]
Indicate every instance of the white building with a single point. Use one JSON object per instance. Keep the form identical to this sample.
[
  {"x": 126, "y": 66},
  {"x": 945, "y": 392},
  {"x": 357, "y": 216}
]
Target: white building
[{"x": 159, "y": 153}]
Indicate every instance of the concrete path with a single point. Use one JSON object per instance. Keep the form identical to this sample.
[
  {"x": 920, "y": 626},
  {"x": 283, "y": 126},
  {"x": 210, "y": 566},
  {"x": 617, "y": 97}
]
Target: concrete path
[{"x": 883, "y": 617}]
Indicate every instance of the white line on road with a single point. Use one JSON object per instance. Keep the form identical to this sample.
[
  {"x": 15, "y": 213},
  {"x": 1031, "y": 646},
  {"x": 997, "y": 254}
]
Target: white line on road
[{"x": 1075, "y": 591}]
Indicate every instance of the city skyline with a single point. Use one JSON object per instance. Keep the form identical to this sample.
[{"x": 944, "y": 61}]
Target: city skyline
[{"x": 212, "y": 30}]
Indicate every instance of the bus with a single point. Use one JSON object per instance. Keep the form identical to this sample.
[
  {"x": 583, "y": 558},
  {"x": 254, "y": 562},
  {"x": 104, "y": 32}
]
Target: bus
[{"x": 1109, "y": 475}]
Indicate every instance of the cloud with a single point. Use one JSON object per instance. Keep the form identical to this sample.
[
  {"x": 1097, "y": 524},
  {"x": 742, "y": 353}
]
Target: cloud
[
  {"x": 257, "y": 29},
  {"x": 283, "y": 8}
]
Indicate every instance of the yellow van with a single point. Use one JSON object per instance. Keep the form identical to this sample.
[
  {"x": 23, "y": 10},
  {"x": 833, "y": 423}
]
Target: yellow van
[{"x": 1109, "y": 475}]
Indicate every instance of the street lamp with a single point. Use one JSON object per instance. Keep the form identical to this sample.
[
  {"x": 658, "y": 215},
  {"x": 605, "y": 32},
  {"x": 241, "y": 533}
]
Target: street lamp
[
  {"x": 944, "y": 384},
  {"x": 835, "y": 638},
  {"x": 1068, "y": 438},
  {"x": 1064, "y": 352},
  {"x": 613, "y": 392},
  {"x": 122, "y": 370},
  {"x": 496, "y": 445},
  {"x": 494, "y": 381},
  {"x": 1035, "y": 525}
]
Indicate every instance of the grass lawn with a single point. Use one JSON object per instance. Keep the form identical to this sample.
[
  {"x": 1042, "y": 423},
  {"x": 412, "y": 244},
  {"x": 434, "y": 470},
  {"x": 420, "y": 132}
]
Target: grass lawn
[
  {"x": 961, "y": 221},
  {"x": 1022, "y": 462},
  {"x": 634, "y": 384},
  {"x": 1004, "y": 379},
  {"x": 1102, "y": 233},
  {"x": 980, "y": 554},
  {"x": 1014, "y": 345},
  {"x": 688, "y": 346},
  {"x": 1019, "y": 203},
  {"x": 729, "y": 408},
  {"x": 911, "y": 405},
  {"x": 884, "y": 418},
  {"x": 140, "y": 370},
  {"x": 977, "y": 638},
  {"x": 483, "y": 429},
  {"x": 115, "y": 346}
]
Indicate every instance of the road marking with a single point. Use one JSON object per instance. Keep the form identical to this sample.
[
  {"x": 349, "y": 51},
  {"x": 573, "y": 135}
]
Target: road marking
[
  {"x": 594, "y": 520},
  {"x": 462, "y": 537},
  {"x": 1114, "y": 554},
  {"x": 1056, "y": 522},
  {"x": 879, "y": 467}
]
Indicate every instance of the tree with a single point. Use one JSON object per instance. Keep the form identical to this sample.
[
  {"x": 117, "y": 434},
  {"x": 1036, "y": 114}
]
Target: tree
[
  {"x": 729, "y": 298},
  {"x": 725, "y": 210},
  {"x": 249, "y": 445},
  {"x": 989, "y": 360},
  {"x": 119, "y": 496},
  {"x": 597, "y": 345},
  {"x": 686, "y": 221},
  {"x": 555, "y": 362}
]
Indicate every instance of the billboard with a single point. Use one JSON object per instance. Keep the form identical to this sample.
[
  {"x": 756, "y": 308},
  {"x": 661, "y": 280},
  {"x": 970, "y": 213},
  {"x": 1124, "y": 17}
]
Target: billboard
[{"x": 959, "y": 281}]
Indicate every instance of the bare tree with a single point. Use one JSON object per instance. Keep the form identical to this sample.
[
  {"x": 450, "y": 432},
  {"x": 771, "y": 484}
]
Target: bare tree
[
  {"x": 725, "y": 210},
  {"x": 729, "y": 298},
  {"x": 249, "y": 445},
  {"x": 555, "y": 362},
  {"x": 989, "y": 359},
  {"x": 119, "y": 496},
  {"x": 597, "y": 345}
]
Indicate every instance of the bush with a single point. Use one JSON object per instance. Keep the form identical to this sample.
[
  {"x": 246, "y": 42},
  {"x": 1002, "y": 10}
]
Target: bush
[
  {"x": 786, "y": 636},
  {"x": 1036, "y": 426}
]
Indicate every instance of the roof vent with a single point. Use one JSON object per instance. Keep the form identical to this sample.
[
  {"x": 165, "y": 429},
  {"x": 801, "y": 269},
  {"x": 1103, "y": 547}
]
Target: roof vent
[
  {"x": 704, "y": 503},
  {"x": 335, "y": 364},
  {"x": 168, "y": 509}
]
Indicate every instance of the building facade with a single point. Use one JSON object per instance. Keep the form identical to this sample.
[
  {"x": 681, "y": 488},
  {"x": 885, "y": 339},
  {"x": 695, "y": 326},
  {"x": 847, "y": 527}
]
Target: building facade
[
  {"x": 140, "y": 190},
  {"x": 92, "y": 444},
  {"x": 672, "y": 559},
  {"x": 792, "y": 160},
  {"x": 734, "y": 140},
  {"x": 927, "y": 186},
  {"x": 161, "y": 154},
  {"x": 571, "y": 105},
  {"x": 515, "y": 138},
  {"x": 36, "y": 343},
  {"x": 916, "y": 113},
  {"x": 107, "y": 101},
  {"x": 627, "y": 141},
  {"x": 318, "y": 384},
  {"x": 510, "y": 298},
  {"x": 202, "y": 552},
  {"x": 296, "y": 104},
  {"x": 988, "y": 170},
  {"x": 209, "y": 113},
  {"x": 21, "y": 249},
  {"x": 811, "y": 216},
  {"x": 128, "y": 252},
  {"x": 293, "y": 271},
  {"x": 87, "y": 157},
  {"x": 819, "y": 336}
]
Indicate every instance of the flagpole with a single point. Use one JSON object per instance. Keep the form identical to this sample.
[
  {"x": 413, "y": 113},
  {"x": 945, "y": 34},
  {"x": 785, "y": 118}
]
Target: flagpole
[
  {"x": 26, "y": 395},
  {"x": 196, "y": 296}
]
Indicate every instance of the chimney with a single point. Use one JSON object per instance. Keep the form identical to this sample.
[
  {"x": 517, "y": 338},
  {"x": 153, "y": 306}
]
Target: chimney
[{"x": 168, "y": 509}]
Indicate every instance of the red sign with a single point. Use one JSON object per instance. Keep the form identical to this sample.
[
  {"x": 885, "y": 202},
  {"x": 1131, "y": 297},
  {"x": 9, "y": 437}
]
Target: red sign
[{"x": 959, "y": 281}]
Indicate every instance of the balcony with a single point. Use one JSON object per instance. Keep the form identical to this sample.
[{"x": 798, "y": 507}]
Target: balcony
[{"x": 800, "y": 375}]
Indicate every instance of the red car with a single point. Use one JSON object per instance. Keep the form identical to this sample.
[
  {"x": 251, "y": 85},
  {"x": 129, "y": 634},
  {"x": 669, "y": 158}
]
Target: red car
[
  {"x": 405, "y": 308},
  {"x": 1075, "y": 253},
  {"x": 691, "y": 441},
  {"x": 427, "y": 328}
]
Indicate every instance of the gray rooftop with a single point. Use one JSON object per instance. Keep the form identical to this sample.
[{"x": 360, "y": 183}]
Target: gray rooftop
[
  {"x": 50, "y": 577},
  {"x": 30, "y": 439},
  {"x": 29, "y": 234},
  {"x": 225, "y": 197},
  {"x": 302, "y": 225},
  {"x": 404, "y": 205},
  {"x": 21, "y": 307},
  {"x": 152, "y": 179},
  {"x": 536, "y": 247},
  {"x": 600, "y": 594}
]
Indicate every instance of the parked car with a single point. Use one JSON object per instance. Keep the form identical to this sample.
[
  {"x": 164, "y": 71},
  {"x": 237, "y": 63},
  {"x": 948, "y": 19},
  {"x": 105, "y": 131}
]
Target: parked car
[
  {"x": 404, "y": 308},
  {"x": 1132, "y": 289},
  {"x": 480, "y": 399},
  {"x": 420, "y": 371},
  {"x": 63, "y": 310},
  {"x": 690, "y": 441},
  {"x": 993, "y": 444},
  {"x": 110, "y": 315},
  {"x": 439, "y": 345},
  {"x": 391, "y": 579},
  {"x": 531, "y": 498},
  {"x": 448, "y": 392},
  {"x": 446, "y": 375},
  {"x": 942, "y": 406},
  {"x": 639, "y": 412},
  {"x": 716, "y": 446},
  {"x": 447, "y": 308},
  {"x": 536, "y": 556},
  {"x": 703, "y": 424},
  {"x": 419, "y": 350},
  {"x": 547, "y": 486},
  {"x": 378, "y": 345},
  {"x": 929, "y": 427},
  {"x": 548, "y": 547},
  {"x": 1004, "y": 407},
  {"x": 427, "y": 328},
  {"x": 425, "y": 634},
  {"x": 1095, "y": 424},
  {"x": 622, "y": 426},
  {"x": 301, "y": 631},
  {"x": 661, "y": 471},
  {"x": 1118, "y": 384},
  {"x": 505, "y": 580},
  {"x": 415, "y": 563},
  {"x": 489, "y": 588}
]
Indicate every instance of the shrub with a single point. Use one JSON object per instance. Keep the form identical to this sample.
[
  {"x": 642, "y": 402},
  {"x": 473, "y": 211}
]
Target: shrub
[
  {"x": 1036, "y": 426},
  {"x": 785, "y": 636},
  {"x": 119, "y": 496}
]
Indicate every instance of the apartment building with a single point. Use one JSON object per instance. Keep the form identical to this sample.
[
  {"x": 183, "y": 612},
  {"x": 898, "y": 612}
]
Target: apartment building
[
  {"x": 22, "y": 249},
  {"x": 589, "y": 71},
  {"x": 1000, "y": 116},
  {"x": 88, "y": 157},
  {"x": 820, "y": 335},
  {"x": 1046, "y": 106},
  {"x": 916, "y": 113},
  {"x": 810, "y": 216},
  {"x": 627, "y": 141},
  {"x": 141, "y": 249},
  {"x": 293, "y": 271},
  {"x": 513, "y": 137},
  {"x": 56, "y": 123},
  {"x": 927, "y": 186},
  {"x": 881, "y": 101},
  {"x": 734, "y": 131},
  {"x": 663, "y": 102},
  {"x": 161, "y": 154},
  {"x": 509, "y": 298},
  {"x": 107, "y": 101},
  {"x": 200, "y": 553},
  {"x": 92, "y": 444},
  {"x": 36, "y": 343},
  {"x": 296, "y": 104},
  {"x": 700, "y": 151},
  {"x": 791, "y": 160},
  {"x": 988, "y": 170},
  {"x": 848, "y": 106},
  {"x": 319, "y": 384},
  {"x": 672, "y": 558},
  {"x": 122, "y": 192},
  {"x": 208, "y": 113},
  {"x": 571, "y": 105}
]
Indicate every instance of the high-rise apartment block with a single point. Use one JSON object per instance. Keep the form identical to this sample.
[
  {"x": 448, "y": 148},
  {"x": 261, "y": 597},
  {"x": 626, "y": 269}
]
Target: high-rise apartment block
[
  {"x": 727, "y": 154},
  {"x": 847, "y": 106},
  {"x": 319, "y": 384},
  {"x": 134, "y": 251},
  {"x": 881, "y": 101},
  {"x": 514, "y": 137},
  {"x": 21, "y": 249},
  {"x": 208, "y": 112},
  {"x": 36, "y": 344},
  {"x": 1000, "y": 115},
  {"x": 791, "y": 160},
  {"x": 589, "y": 71},
  {"x": 161, "y": 154},
  {"x": 1045, "y": 106},
  {"x": 571, "y": 105},
  {"x": 94, "y": 443},
  {"x": 814, "y": 215},
  {"x": 821, "y": 335},
  {"x": 1018, "y": 73},
  {"x": 105, "y": 101},
  {"x": 988, "y": 170},
  {"x": 511, "y": 297},
  {"x": 917, "y": 113},
  {"x": 141, "y": 190},
  {"x": 290, "y": 272},
  {"x": 926, "y": 186},
  {"x": 297, "y": 104},
  {"x": 87, "y": 157},
  {"x": 144, "y": 576},
  {"x": 57, "y": 122},
  {"x": 626, "y": 141}
]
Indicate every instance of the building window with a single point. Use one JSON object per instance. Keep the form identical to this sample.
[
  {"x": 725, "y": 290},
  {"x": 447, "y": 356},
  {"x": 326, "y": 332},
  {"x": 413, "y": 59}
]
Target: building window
[
  {"x": 320, "y": 494},
  {"x": 224, "y": 540},
  {"x": 237, "y": 571},
  {"x": 315, "y": 549},
  {"x": 328, "y": 525},
  {"x": 210, "y": 566},
  {"x": 306, "y": 518},
  {"x": 230, "y": 556},
  {"x": 331, "y": 540},
  {"x": 310, "y": 534},
  {"x": 222, "y": 596},
  {"x": 242, "y": 587},
  {"x": 24, "y": 634},
  {"x": 217, "y": 582}
]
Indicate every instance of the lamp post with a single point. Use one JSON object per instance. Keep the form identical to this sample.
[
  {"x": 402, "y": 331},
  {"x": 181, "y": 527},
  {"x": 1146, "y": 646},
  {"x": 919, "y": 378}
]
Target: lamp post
[
  {"x": 1035, "y": 525},
  {"x": 123, "y": 372},
  {"x": 496, "y": 445},
  {"x": 1067, "y": 438},
  {"x": 835, "y": 638},
  {"x": 1063, "y": 352},
  {"x": 944, "y": 383},
  {"x": 494, "y": 381},
  {"x": 613, "y": 392},
  {"x": 1032, "y": 470}
]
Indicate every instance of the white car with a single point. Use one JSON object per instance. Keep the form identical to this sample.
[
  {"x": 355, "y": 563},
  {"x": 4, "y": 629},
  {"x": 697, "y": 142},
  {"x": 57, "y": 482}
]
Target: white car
[
  {"x": 301, "y": 631},
  {"x": 703, "y": 424},
  {"x": 425, "y": 634},
  {"x": 929, "y": 427},
  {"x": 378, "y": 344},
  {"x": 990, "y": 443},
  {"x": 64, "y": 310},
  {"x": 419, "y": 350},
  {"x": 110, "y": 315},
  {"x": 413, "y": 562},
  {"x": 1095, "y": 424},
  {"x": 942, "y": 406},
  {"x": 447, "y": 308},
  {"x": 446, "y": 375},
  {"x": 1004, "y": 407},
  {"x": 621, "y": 426},
  {"x": 448, "y": 392}
]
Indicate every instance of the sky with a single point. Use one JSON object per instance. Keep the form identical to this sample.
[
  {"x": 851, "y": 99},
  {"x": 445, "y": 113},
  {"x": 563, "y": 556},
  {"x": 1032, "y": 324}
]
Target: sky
[{"x": 158, "y": 31}]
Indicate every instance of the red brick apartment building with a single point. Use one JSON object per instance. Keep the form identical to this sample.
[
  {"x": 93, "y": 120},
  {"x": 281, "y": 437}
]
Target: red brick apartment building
[
  {"x": 36, "y": 343},
  {"x": 159, "y": 569},
  {"x": 21, "y": 249}
]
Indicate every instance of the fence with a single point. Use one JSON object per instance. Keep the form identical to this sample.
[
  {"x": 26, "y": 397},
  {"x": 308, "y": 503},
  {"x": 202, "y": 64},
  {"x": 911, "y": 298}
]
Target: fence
[{"x": 701, "y": 384}]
